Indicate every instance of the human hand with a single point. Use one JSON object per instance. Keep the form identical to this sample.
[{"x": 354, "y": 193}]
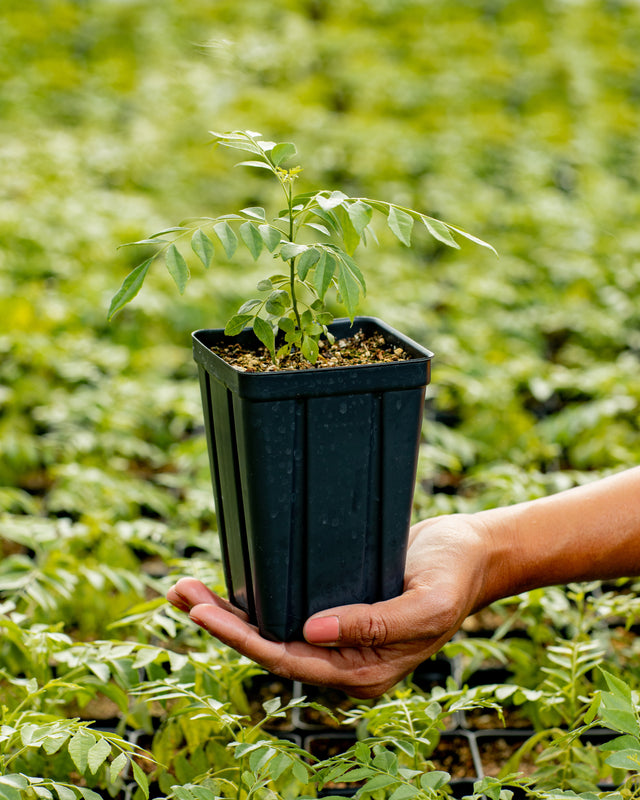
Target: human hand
[{"x": 361, "y": 649}]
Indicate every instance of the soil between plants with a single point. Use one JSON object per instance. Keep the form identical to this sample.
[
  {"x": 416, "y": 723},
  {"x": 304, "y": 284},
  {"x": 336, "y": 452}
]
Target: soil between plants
[{"x": 348, "y": 352}]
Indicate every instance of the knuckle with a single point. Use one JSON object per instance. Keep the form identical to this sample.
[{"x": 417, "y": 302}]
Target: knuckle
[
  {"x": 373, "y": 633},
  {"x": 444, "y": 613}
]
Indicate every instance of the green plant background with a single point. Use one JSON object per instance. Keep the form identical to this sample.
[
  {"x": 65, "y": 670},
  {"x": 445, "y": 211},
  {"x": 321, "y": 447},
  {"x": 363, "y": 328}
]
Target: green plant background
[{"x": 517, "y": 121}]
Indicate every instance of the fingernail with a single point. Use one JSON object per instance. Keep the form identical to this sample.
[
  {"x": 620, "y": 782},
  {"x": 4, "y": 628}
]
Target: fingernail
[{"x": 322, "y": 630}]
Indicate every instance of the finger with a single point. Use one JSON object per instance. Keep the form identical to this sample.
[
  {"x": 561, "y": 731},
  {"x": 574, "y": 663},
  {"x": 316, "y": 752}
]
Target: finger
[
  {"x": 362, "y": 673},
  {"x": 189, "y": 592},
  {"x": 289, "y": 660},
  {"x": 416, "y": 615}
]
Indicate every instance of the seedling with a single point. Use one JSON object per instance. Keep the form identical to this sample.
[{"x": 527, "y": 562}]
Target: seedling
[{"x": 315, "y": 235}]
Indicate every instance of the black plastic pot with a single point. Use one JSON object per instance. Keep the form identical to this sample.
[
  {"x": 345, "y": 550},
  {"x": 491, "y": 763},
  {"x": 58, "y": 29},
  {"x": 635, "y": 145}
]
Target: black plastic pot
[{"x": 313, "y": 474}]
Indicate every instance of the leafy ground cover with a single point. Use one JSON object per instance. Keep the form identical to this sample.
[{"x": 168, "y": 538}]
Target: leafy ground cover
[{"x": 517, "y": 121}]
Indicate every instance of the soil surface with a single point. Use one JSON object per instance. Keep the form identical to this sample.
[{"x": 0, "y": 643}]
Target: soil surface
[{"x": 358, "y": 349}]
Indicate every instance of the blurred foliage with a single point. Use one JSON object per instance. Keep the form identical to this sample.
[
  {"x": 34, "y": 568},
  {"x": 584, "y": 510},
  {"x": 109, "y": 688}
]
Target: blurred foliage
[{"x": 518, "y": 121}]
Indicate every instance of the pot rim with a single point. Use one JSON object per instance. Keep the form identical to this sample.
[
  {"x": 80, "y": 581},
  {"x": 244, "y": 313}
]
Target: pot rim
[{"x": 407, "y": 374}]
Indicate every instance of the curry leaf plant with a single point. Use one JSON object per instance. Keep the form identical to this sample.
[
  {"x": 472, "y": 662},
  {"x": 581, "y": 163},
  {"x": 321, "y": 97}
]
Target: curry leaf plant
[{"x": 315, "y": 235}]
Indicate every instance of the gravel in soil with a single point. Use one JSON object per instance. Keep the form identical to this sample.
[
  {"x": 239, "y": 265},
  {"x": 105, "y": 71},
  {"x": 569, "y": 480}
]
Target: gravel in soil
[{"x": 358, "y": 349}]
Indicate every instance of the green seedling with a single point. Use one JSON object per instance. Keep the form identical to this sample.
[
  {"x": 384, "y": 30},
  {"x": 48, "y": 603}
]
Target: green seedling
[{"x": 315, "y": 235}]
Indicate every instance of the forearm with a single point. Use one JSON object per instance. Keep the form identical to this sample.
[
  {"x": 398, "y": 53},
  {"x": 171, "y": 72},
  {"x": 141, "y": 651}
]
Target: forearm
[{"x": 586, "y": 533}]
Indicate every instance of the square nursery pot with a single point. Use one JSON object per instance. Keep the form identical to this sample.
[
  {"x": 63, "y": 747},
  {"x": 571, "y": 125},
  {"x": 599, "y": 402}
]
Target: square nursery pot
[{"x": 313, "y": 474}]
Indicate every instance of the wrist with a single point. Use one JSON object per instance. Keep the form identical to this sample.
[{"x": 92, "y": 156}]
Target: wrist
[{"x": 506, "y": 566}]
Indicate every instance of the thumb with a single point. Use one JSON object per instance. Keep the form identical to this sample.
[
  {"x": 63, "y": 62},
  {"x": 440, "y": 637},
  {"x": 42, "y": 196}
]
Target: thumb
[{"x": 416, "y": 614}]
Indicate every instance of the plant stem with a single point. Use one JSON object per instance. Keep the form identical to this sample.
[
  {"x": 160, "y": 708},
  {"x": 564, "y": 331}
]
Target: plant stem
[{"x": 292, "y": 263}]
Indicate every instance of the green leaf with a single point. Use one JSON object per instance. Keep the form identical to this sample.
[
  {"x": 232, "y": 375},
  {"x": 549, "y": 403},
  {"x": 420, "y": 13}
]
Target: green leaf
[
  {"x": 252, "y": 238},
  {"x": 281, "y": 152},
  {"x": 237, "y": 323},
  {"x": 270, "y": 236},
  {"x": 79, "y": 747},
  {"x": 53, "y": 743},
  {"x": 299, "y": 771},
  {"x": 265, "y": 333},
  {"x": 291, "y": 250},
  {"x": 277, "y": 303},
  {"x": 360, "y": 215},
  {"x": 238, "y": 140},
  {"x": 130, "y": 287},
  {"x": 330, "y": 220},
  {"x": 404, "y": 792},
  {"x": 617, "y": 686},
  {"x": 249, "y": 305},
  {"x": 362, "y": 752},
  {"x": 350, "y": 236},
  {"x": 88, "y": 794},
  {"x": 473, "y": 238},
  {"x": 439, "y": 231},
  {"x": 316, "y": 226},
  {"x": 177, "y": 267},
  {"x": 359, "y": 774},
  {"x": 98, "y": 754},
  {"x": 350, "y": 282},
  {"x": 201, "y": 792},
  {"x": 379, "y": 782},
  {"x": 279, "y": 765},
  {"x": 401, "y": 224},
  {"x": 306, "y": 261},
  {"x": 227, "y": 237},
  {"x": 175, "y": 229},
  {"x": 310, "y": 349},
  {"x": 16, "y": 781},
  {"x": 434, "y": 780},
  {"x": 99, "y": 668},
  {"x": 257, "y": 212},
  {"x": 259, "y": 757},
  {"x": 259, "y": 164},
  {"x": 332, "y": 201},
  {"x": 264, "y": 285},
  {"x": 323, "y": 273},
  {"x": 140, "y": 778},
  {"x": 202, "y": 246},
  {"x": 65, "y": 792},
  {"x": 182, "y": 793},
  {"x": 272, "y": 705},
  {"x": 624, "y": 759},
  {"x": 249, "y": 779},
  {"x": 324, "y": 318},
  {"x": 622, "y": 720},
  {"x": 387, "y": 761},
  {"x": 116, "y": 766}
]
